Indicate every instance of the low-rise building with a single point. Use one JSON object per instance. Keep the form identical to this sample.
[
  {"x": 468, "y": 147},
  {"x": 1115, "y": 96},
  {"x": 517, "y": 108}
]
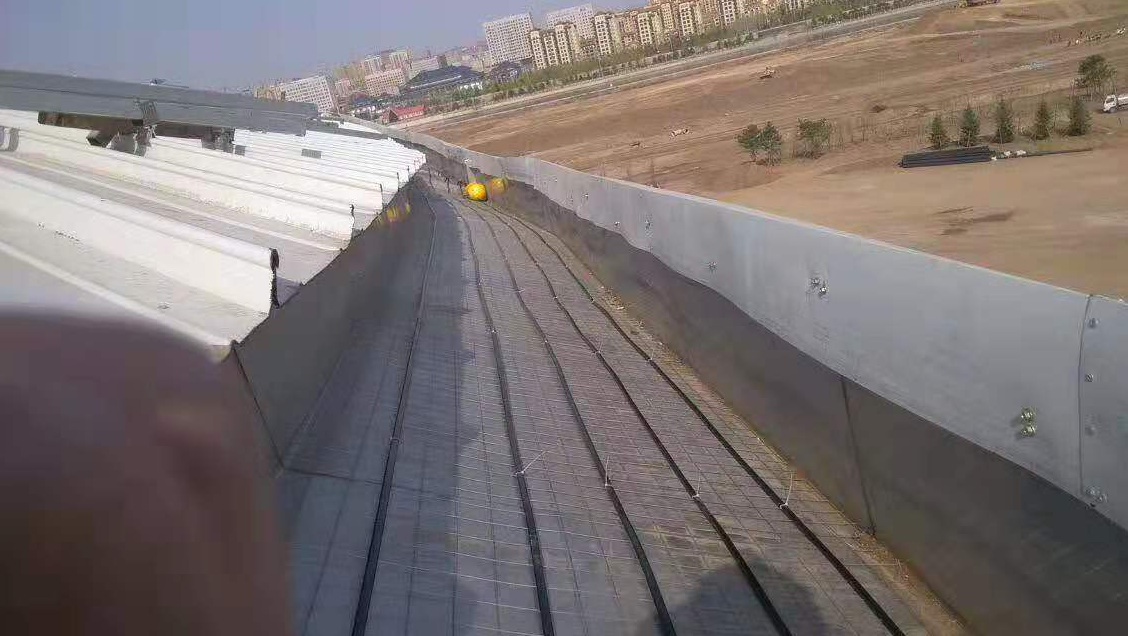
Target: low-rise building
[
  {"x": 403, "y": 113},
  {"x": 387, "y": 81},
  {"x": 506, "y": 72},
  {"x": 443, "y": 80},
  {"x": 426, "y": 64}
]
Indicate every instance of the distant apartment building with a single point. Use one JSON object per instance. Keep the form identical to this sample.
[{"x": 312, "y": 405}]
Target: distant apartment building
[
  {"x": 608, "y": 34},
  {"x": 342, "y": 88},
  {"x": 569, "y": 47},
  {"x": 400, "y": 58},
  {"x": 708, "y": 14},
  {"x": 386, "y": 81},
  {"x": 689, "y": 18},
  {"x": 312, "y": 90},
  {"x": 669, "y": 15},
  {"x": 581, "y": 16},
  {"x": 552, "y": 54},
  {"x": 536, "y": 46},
  {"x": 559, "y": 45},
  {"x": 730, "y": 10},
  {"x": 426, "y": 64},
  {"x": 628, "y": 26},
  {"x": 508, "y": 37},
  {"x": 650, "y": 30},
  {"x": 372, "y": 64}
]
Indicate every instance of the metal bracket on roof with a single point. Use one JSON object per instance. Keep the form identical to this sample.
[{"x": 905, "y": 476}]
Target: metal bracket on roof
[
  {"x": 9, "y": 139},
  {"x": 149, "y": 115}
]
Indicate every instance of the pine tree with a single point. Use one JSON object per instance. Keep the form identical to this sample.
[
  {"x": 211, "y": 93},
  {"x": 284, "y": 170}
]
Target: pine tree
[
  {"x": 1043, "y": 121},
  {"x": 1079, "y": 117},
  {"x": 969, "y": 128},
  {"x": 771, "y": 142},
  {"x": 1004, "y": 122},
  {"x": 938, "y": 135},
  {"x": 749, "y": 139}
]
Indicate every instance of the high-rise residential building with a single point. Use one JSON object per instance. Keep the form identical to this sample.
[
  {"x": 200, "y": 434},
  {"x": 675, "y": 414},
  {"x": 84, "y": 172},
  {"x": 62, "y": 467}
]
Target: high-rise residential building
[
  {"x": 386, "y": 81},
  {"x": 669, "y": 19},
  {"x": 551, "y": 53},
  {"x": 730, "y": 10},
  {"x": 536, "y": 45},
  {"x": 568, "y": 45},
  {"x": 608, "y": 34},
  {"x": 372, "y": 64},
  {"x": 581, "y": 16},
  {"x": 559, "y": 45},
  {"x": 342, "y": 88},
  {"x": 508, "y": 37},
  {"x": 312, "y": 90},
  {"x": 628, "y": 25},
  {"x": 689, "y": 18},
  {"x": 400, "y": 58},
  {"x": 647, "y": 35}
]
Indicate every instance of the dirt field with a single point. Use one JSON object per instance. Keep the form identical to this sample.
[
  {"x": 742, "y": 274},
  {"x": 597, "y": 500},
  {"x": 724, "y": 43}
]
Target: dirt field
[{"x": 1060, "y": 219}]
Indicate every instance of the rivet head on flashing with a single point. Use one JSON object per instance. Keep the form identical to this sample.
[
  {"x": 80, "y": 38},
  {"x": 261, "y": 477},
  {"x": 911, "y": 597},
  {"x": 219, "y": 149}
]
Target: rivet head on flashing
[{"x": 1092, "y": 492}]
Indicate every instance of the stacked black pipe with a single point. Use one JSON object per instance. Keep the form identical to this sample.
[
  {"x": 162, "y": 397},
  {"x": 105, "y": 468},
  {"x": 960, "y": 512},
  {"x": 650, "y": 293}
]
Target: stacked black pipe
[{"x": 946, "y": 157}]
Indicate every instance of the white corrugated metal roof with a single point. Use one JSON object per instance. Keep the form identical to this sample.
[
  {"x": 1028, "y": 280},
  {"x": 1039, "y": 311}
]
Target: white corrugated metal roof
[{"x": 196, "y": 239}]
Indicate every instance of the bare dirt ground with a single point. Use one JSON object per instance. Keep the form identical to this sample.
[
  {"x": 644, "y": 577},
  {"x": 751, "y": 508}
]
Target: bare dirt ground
[{"x": 1060, "y": 219}]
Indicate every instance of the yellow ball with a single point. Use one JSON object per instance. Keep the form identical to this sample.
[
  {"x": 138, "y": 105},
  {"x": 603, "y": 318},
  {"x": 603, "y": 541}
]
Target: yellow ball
[
  {"x": 497, "y": 185},
  {"x": 476, "y": 192}
]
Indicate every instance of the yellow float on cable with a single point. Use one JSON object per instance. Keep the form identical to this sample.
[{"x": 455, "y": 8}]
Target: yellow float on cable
[
  {"x": 497, "y": 185},
  {"x": 476, "y": 192}
]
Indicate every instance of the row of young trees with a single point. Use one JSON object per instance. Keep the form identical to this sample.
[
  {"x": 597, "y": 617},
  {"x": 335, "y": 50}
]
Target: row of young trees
[
  {"x": 1080, "y": 123},
  {"x": 813, "y": 136}
]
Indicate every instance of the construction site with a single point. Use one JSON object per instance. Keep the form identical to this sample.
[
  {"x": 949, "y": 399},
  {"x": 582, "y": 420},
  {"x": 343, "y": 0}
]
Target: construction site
[{"x": 879, "y": 89}]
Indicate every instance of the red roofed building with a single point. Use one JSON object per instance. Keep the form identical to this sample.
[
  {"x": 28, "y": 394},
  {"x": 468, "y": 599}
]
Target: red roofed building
[{"x": 404, "y": 113}]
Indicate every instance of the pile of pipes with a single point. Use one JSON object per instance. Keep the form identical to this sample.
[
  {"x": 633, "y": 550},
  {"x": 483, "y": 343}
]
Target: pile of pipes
[{"x": 946, "y": 157}]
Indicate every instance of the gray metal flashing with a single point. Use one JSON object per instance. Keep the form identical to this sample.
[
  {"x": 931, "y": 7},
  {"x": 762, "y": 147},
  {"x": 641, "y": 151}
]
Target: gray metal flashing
[
  {"x": 1010, "y": 551},
  {"x": 1103, "y": 394},
  {"x": 965, "y": 347},
  {"x": 44, "y": 92}
]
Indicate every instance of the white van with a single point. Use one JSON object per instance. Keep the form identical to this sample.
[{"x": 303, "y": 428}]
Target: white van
[{"x": 1114, "y": 102}]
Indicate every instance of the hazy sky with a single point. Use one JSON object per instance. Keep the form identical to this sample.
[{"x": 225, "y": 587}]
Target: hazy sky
[{"x": 234, "y": 43}]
